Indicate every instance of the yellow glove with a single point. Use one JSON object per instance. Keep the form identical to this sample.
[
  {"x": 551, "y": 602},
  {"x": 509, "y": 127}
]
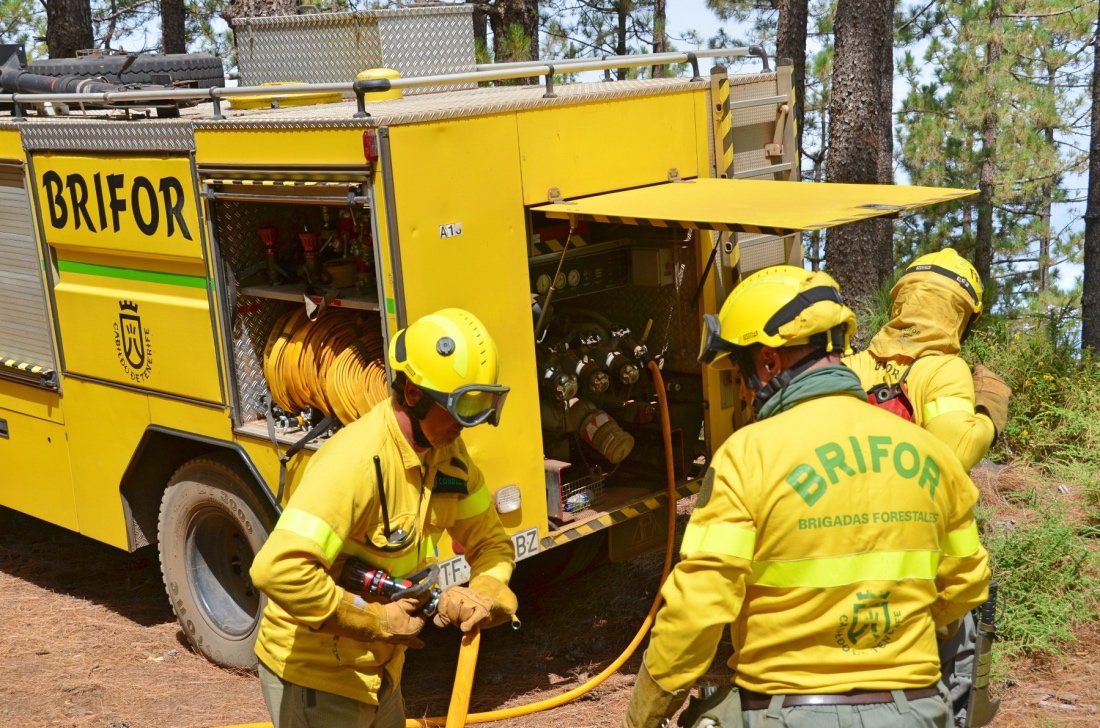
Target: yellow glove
[
  {"x": 486, "y": 603},
  {"x": 397, "y": 622},
  {"x": 650, "y": 704},
  {"x": 991, "y": 396}
]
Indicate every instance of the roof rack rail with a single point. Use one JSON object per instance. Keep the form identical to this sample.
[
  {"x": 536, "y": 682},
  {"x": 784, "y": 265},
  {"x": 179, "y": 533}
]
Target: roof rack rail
[{"x": 484, "y": 73}]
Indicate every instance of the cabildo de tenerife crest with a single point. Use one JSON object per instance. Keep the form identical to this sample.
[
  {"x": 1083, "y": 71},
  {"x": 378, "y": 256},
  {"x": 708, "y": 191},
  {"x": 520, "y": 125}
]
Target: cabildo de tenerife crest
[{"x": 135, "y": 351}]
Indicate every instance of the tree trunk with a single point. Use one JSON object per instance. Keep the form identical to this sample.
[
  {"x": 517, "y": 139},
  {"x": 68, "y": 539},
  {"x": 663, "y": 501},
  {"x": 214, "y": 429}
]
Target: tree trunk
[
  {"x": 622, "y": 12},
  {"x": 1046, "y": 193},
  {"x": 481, "y": 28},
  {"x": 660, "y": 39},
  {"x": 173, "y": 37},
  {"x": 790, "y": 43},
  {"x": 983, "y": 244},
  {"x": 515, "y": 26},
  {"x": 854, "y": 252},
  {"x": 1090, "y": 298},
  {"x": 68, "y": 27},
  {"x": 884, "y": 226}
]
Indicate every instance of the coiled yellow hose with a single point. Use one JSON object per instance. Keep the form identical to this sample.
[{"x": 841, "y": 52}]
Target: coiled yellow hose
[{"x": 332, "y": 364}]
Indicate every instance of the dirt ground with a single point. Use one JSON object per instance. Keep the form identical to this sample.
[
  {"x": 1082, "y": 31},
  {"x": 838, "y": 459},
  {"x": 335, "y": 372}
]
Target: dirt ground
[{"x": 87, "y": 638}]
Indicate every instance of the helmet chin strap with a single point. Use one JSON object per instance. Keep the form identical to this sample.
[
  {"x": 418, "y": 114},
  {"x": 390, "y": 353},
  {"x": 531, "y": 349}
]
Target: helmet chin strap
[
  {"x": 418, "y": 411},
  {"x": 823, "y": 343},
  {"x": 419, "y": 437},
  {"x": 775, "y": 385}
]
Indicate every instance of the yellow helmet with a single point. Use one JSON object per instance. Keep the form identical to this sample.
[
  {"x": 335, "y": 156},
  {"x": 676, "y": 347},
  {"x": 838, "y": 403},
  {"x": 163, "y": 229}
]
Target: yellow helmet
[
  {"x": 941, "y": 265},
  {"x": 452, "y": 358},
  {"x": 779, "y": 306}
]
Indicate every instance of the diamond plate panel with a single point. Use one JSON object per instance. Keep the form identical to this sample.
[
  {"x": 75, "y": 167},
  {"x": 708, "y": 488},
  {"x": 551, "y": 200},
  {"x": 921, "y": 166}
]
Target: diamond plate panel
[
  {"x": 235, "y": 231},
  {"x": 108, "y": 136},
  {"x": 254, "y": 321},
  {"x": 403, "y": 40},
  {"x": 445, "y": 105},
  {"x": 334, "y": 47}
]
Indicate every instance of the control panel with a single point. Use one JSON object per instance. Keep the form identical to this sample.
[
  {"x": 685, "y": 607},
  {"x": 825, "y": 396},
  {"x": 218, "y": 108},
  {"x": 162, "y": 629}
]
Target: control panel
[{"x": 585, "y": 270}]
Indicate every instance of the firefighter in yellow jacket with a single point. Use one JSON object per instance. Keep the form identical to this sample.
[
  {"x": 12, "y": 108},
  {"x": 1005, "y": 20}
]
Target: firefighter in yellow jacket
[
  {"x": 917, "y": 354},
  {"x": 383, "y": 489},
  {"x": 831, "y": 537}
]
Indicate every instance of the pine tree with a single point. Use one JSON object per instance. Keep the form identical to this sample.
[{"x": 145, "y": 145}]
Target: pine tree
[
  {"x": 21, "y": 22},
  {"x": 173, "y": 26},
  {"x": 515, "y": 26},
  {"x": 994, "y": 113},
  {"x": 859, "y": 255},
  {"x": 595, "y": 28},
  {"x": 68, "y": 27},
  {"x": 1090, "y": 301}
]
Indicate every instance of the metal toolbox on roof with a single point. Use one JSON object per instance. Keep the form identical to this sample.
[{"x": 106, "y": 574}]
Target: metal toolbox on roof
[{"x": 334, "y": 47}]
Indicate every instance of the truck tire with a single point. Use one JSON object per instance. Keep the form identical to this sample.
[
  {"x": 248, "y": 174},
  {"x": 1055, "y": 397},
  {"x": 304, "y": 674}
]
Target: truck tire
[
  {"x": 211, "y": 525},
  {"x": 203, "y": 69}
]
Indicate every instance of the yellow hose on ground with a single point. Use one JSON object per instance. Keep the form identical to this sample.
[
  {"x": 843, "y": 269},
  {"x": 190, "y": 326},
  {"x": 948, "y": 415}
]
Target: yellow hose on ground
[
  {"x": 571, "y": 695},
  {"x": 464, "y": 679}
]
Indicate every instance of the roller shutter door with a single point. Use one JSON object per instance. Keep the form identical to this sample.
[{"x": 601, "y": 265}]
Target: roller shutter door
[{"x": 26, "y": 346}]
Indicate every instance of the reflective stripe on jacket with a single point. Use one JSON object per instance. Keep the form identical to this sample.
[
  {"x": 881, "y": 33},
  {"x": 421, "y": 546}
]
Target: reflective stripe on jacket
[
  {"x": 832, "y": 539},
  {"x": 941, "y": 389},
  {"x": 335, "y": 512}
]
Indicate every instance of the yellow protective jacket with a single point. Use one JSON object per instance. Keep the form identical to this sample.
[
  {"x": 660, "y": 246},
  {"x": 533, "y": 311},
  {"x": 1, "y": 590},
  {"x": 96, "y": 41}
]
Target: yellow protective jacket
[
  {"x": 334, "y": 513},
  {"x": 941, "y": 389},
  {"x": 927, "y": 321},
  {"x": 832, "y": 538}
]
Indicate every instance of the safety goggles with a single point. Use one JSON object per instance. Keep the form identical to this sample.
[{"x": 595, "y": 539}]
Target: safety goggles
[
  {"x": 713, "y": 346},
  {"x": 473, "y": 404},
  {"x": 721, "y": 353}
]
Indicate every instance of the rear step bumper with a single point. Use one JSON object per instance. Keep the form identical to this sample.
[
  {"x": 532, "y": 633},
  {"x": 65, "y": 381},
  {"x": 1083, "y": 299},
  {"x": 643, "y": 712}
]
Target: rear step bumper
[{"x": 601, "y": 521}]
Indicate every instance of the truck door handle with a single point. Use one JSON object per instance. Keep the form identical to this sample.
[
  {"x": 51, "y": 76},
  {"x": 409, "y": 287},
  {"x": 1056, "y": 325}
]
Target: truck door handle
[{"x": 4, "y": 429}]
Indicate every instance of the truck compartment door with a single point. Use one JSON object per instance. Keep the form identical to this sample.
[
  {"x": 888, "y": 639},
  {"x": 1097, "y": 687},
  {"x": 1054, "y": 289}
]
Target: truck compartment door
[
  {"x": 130, "y": 281},
  {"x": 26, "y": 339},
  {"x": 760, "y": 207}
]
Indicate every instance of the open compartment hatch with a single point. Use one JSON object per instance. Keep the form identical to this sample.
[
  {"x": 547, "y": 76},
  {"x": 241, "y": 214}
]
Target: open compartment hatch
[
  {"x": 623, "y": 277},
  {"x": 751, "y": 206}
]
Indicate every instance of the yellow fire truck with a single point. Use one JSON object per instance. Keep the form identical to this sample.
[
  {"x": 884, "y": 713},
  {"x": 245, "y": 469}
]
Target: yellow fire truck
[{"x": 173, "y": 282}]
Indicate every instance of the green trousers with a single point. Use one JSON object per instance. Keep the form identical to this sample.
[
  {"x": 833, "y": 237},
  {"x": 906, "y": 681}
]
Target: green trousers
[
  {"x": 931, "y": 712},
  {"x": 294, "y": 706}
]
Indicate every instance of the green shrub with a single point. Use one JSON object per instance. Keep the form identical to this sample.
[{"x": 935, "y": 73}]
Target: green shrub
[
  {"x": 1049, "y": 581},
  {"x": 1054, "y": 415}
]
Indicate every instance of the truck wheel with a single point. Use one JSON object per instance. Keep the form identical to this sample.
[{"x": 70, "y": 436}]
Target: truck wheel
[
  {"x": 204, "y": 69},
  {"x": 211, "y": 526}
]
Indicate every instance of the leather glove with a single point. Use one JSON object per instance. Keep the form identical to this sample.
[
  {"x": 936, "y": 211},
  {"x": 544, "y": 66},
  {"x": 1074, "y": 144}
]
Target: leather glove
[
  {"x": 650, "y": 704},
  {"x": 486, "y": 603},
  {"x": 397, "y": 622},
  {"x": 464, "y": 608},
  {"x": 991, "y": 396},
  {"x": 503, "y": 599}
]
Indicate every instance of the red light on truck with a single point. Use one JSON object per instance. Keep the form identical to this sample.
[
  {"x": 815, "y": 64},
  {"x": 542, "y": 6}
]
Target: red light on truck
[{"x": 370, "y": 146}]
